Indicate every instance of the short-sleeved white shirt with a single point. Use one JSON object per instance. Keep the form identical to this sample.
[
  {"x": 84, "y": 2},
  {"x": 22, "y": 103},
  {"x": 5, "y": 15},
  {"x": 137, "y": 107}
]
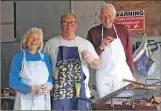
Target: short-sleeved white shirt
[{"x": 51, "y": 47}]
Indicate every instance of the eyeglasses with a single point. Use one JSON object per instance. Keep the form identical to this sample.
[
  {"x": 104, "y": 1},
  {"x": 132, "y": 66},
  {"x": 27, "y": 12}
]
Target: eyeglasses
[{"x": 70, "y": 22}]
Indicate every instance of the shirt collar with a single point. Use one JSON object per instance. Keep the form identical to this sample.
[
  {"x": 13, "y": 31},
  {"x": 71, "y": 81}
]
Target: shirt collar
[{"x": 28, "y": 52}]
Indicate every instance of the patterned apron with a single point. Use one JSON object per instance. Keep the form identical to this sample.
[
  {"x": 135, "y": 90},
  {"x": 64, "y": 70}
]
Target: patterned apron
[{"x": 68, "y": 81}]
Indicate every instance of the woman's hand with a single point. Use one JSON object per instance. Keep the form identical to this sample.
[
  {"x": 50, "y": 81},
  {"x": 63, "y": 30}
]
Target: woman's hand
[
  {"x": 36, "y": 90},
  {"x": 46, "y": 87}
]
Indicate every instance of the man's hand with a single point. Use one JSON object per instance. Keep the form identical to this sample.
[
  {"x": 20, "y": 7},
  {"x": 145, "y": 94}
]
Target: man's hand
[
  {"x": 36, "y": 90},
  {"x": 106, "y": 41},
  {"x": 87, "y": 57},
  {"x": 46, "y": 87}
]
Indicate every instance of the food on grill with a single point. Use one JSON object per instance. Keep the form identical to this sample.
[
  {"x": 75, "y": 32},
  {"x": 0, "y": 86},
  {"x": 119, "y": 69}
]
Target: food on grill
[
  {"x": 134, "y": 96},
  {"x": 134, "y": 86},
  {"x": 150, "y": 88},
  {"x": 7, "y": 92},
  {"x": 154, "y": 100},
  {"x": 137, "y": 102}
]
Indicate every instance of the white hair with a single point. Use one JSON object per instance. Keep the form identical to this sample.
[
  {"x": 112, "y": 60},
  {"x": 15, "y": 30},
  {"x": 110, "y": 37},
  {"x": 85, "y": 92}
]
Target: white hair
[
  {"x": 110, "y": 7},
  {"x": 27, "y": 34}
]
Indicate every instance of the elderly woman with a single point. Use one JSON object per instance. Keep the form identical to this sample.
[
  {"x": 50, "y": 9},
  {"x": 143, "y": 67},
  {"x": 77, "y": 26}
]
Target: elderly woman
[{"x": 31, "y": 73}]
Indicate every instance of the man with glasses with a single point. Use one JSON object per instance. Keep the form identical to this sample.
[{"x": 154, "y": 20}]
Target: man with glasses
[{"x": 70, "y": 56}]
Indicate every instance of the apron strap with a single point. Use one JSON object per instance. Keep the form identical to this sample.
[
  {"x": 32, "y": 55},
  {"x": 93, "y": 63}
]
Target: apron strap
[
  {"x": 102, "y": 34},
  {"x": 23, "y": 61},
  {"x": 115, "y": 31},
  {"x": 41, "y": 55},
  {"x": 24, "y": 56}
]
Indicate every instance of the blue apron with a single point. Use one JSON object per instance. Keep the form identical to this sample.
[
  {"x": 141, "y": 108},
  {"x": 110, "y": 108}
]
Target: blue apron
[{"x": 68, "y": 81}]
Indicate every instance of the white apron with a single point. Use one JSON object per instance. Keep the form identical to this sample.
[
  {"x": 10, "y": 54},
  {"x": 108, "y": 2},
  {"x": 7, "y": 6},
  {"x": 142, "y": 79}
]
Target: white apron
[
  {"x": 33, "y": 73},
  {"x": 114, "y": 68}
]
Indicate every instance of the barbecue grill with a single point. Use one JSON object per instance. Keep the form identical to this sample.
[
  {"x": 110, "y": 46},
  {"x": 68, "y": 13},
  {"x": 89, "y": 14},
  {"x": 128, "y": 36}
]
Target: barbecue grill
[{"x": 129, "y": 98}]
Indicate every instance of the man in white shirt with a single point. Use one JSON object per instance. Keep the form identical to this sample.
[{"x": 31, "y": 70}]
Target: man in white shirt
[{"x": 71, "y": 57}]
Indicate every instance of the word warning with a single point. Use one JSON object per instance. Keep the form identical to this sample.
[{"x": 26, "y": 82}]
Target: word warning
[{"x": 133, "y": 20}]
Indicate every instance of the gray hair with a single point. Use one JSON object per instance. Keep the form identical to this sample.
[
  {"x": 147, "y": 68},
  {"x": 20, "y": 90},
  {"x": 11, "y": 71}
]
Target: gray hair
[
  {"x": 110, "y": 7},
  {"x": 27, "y": 34},
  {"x": 66, "y": 14}
]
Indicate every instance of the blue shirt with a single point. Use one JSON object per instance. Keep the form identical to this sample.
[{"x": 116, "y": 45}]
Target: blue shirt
[{"x": 15, "y": 68}]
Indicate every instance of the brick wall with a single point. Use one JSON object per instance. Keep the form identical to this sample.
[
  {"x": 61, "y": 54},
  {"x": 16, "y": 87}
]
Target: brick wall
[{"x": 152, "y": 14}]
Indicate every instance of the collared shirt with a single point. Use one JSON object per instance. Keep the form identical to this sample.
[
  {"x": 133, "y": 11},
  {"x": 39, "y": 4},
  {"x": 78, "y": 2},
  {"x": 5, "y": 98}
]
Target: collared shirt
[{"x": 95, "y": 36}]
